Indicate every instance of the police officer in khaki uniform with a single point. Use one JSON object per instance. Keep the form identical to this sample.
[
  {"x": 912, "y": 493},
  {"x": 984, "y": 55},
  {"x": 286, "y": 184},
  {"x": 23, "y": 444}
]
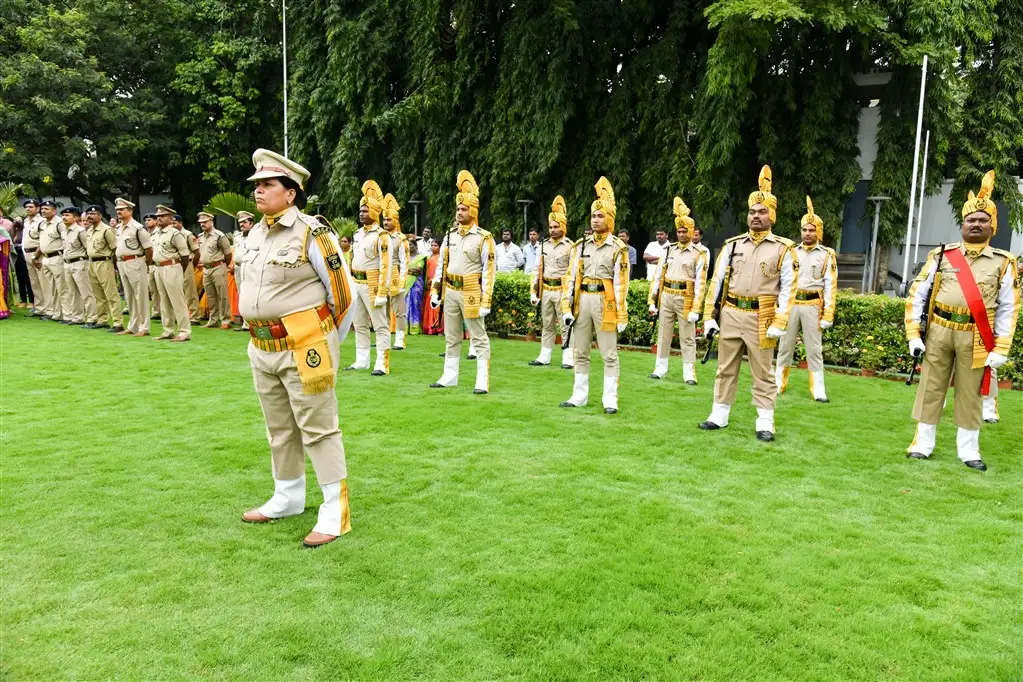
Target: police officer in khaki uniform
[
  {"x": 134, "y": 254},
  {"x": 814, "y": 309},
  {"x": 50, "y": 257},
  {"x": 399, "y": 270},
  {"x": 171, "y": 255},
  {"x": 245, "y": 223},
  {"x": 595, "y": 299},
  {"x": 371, "y": 268},
  {"x": 676, "y": 294},
  {"x": 102, "y": 245},
  {"x": 189, "y": 288},
  {"x": 548, "y": 282},
  {"x": 971, "y": 293},
  {"x": 757, "y": 299},
  {"x": 297, "y": 297},
  {"x": 32, "y": 226},
  {"x": 215, "y": 255},
  {"x": 76, "y": 269},
  {"x": 150, "y": 222},
  {"x": 464, "y": 284}
]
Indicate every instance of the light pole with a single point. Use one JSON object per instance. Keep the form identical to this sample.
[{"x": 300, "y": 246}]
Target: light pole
[
  {"x": 284, "y": 24},
  {"x": 870, "y": 266},
  {"x": 415, "y": 207},
  {"x": 525, "y": 218}
]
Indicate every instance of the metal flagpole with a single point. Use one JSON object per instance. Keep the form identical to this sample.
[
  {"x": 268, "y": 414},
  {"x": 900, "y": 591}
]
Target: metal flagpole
[
  {"x": 525, "y": 218},
  {"x": 284, "y": 24},
  {"x": 916, "y": 167},
  {"x": 870, "y": 265},
  {"x": 923, "y": 192}
]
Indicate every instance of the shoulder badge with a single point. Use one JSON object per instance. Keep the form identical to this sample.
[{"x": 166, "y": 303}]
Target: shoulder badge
[
  {"x": 784, "y": 240},
  {"x": 950, "y": 247},
  {"x": 334, "y": 261},
  {"x": 735, "y": 238}
]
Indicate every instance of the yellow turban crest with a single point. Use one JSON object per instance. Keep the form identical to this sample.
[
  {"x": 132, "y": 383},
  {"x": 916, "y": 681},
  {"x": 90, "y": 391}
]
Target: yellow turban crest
[
  {"x": 983, "y": 202},
  {"x": 605, "y": 202},
  {"x": 372, "y": 198},
  {"x": 764, "y": 196},
  {"x": 681, "y": 212},
  {"x": 468, "y": 193},
  {"x": 812, "y": 218},
  {"x": 391, "y": 209},
  {"x": 559, "y": 212}
]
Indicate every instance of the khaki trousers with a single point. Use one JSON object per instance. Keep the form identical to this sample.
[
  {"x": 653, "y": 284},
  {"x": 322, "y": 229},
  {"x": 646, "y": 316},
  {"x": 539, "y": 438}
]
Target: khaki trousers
[
  {"x": 669, "y": 312},
  {"x": 400, "y": 309},
  {"x": 154, "y": 290},
  {"x": 740, "y": 330},
  {"x": 36, "y": 281},
  {"x": 104, "y": 288},
  {"x": 587, "y": 323},
  {"x": 550, "y": 312},
  {"x": 83, "y": 303},
  {"x": 135, "y": 279},
  {"x": 174, "y": 313},
  {"x": 296, "y": 421},
  {"x": 190, "y": 293},
  {"x": 949, "y": 350},
  {"x": 59, "y": 298},
  {"x": 367, "y": 317},
  {"x": 215, "y": 283},
  {"x": 804, "y": 317},
  {"x": 454, "y": 316}
]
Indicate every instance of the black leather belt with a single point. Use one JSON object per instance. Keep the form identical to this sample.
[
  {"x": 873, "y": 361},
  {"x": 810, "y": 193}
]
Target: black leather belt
[
  {"x": 552, "y": 282},
  {"x": 744, "y": 303},
  {"x": 807, "y": 295},
  {"x": 96, "y": 259},
  {"x": 959, "y": 318},
  {"x": 53, "y": 253},
  {"x": 74, "y": 260}
]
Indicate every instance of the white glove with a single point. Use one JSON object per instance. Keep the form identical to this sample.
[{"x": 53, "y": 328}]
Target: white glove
[
  {"x": 710, "y": 326},
  {"x": 827, "y": 324},
  {"x": 484, "y": 312},
  {"x": 653, "y": 309},
  {"x": 379, "y": 301},
  {"x": 533, "y": 299},
  {"x": 567, "y": 319},
  {"x": 995, "y": 360},
  {"x": 693, "y": 316},
  {"x": 775, "y": 333},
  {"x": 434, "y": 301},
  {"x": 622, "y": 326},
  {"x": 917, "y": 347}
]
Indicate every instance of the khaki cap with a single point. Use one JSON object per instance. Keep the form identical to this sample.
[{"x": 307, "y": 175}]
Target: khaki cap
[
  {"x": 270, "y": 164},
  {"x": 244, "y": 215},
  {"x": 164, "y": 210},
  {"x": 203, "y": 215},
  {"x": 123, "y": 203}
]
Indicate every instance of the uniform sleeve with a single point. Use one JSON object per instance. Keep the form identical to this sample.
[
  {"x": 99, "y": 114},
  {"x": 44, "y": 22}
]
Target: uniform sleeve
[
  {"x": 143, "y": 236},
  {"x": 568, "y": 283},
  {"x": 487, "y": 275},
  {"x": 337, "y": 281},
  {"x": 916, "y": 302},
  {"x": 438, "y": 274},
  {"x": 403, "y": 263},
  {"x": 621, "y": 281},
  {"x": 535, "y": 285},
  {"x": 830, "y": 285},
  {"x": 700, "y": 282},
  {"x": 384, "y": 251},
  {"x": 655, "y": 281},
  {"x": 1007, "y": 309},
  {"x": 787, "y": 291},
  {"x": 225, "y": 245},
  {"x": 180, "y": 244},
  {"x": 111, "y": 240},
  {"x": 715, "y": 284}
]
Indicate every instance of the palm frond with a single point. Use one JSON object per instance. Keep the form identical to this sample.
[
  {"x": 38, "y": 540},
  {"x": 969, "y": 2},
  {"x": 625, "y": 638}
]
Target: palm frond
[
  {"x": 9, "y": 192},
  {"x": 229, "y": 203}
]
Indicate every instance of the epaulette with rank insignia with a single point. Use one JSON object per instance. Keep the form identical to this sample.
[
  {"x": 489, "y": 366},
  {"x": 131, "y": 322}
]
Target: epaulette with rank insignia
[
  {"x": 785, "y": 240},
  {"x": 1002, "y": 252},
  {"x": 736, "y": 238},
  {"x": 950, "y": 247}
]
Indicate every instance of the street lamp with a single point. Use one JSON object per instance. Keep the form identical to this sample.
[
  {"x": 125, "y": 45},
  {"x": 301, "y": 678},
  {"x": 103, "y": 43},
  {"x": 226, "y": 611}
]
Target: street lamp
[
  {"x": 415, "y": 207},
  {"x": 525, "y": 219},
  {"x": 870, "y": 266}
]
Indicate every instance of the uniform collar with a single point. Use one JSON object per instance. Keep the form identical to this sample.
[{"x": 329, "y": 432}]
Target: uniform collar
[
  {"x": 816, "y": 246},
  {"x": 286, "y": 219},
  {"x": 986, "y": 251}
]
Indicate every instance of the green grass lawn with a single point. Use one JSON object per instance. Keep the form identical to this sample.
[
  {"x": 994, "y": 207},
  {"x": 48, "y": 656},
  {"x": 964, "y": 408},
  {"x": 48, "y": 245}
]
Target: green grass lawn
[{"x": 495, "y": 536}]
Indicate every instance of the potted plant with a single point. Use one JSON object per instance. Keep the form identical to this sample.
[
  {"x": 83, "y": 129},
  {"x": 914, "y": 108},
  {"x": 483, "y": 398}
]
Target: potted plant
[
  {"x": 1005, "y": 384},
  {"x": 502, "y": 323},
  {"x": 871, "y": 355},
  {"x": 531, "y": 327}
]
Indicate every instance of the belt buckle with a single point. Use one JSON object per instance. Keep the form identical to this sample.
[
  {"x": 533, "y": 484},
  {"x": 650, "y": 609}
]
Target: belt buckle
[{"x": 262, "y": 333}]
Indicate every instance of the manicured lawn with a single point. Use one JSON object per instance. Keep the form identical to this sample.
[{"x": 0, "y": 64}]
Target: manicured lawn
[{"x": 496, "y": 536}]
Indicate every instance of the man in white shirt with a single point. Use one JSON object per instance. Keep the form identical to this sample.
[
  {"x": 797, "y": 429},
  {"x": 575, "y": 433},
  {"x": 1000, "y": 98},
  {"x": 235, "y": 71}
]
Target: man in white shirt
[
  {"x": 654, "y": 250},
  {"x": 531, "y": 250},
  {"x": 509, "y": 255},
  {"x": 423, "y": 243}
]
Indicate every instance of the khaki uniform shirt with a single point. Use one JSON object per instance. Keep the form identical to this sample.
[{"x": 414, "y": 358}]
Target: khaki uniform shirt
[
  {"x": 468, "y": 252},
  {"x": 102, "y": 242},
  {"x": 818, "y": 271},
  {"x": 553, "y": 260},
  {"x": 213, "y": 246},
  {"x": 765, "y": 269},
  {"x": 607, "y": 260},
  {"x": 75, "y": 242},
  {"x": 370, "y": 252},
  {"x": 30, "y": 232},
  {"x": 169, "y": 244},
  {"x": 51, "y": 236},
  {"x": 132, "y": 239},
  {"x": 681, "y": 264}
]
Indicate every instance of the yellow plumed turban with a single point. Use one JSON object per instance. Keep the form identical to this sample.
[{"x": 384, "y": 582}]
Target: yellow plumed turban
[
  {"x": 559, "y": 212},
  {"x": 372, "y": 198},
  {"x": 764, "y": 196},
  {"x": 468, "y": 193},
  {"x": 681, "y": 212},
  {"x": 983, "y": 202},
  {"x": 391, "y": 209},
  {"x": 605, "y": 202},
  {"x": 812, "y": 218}
]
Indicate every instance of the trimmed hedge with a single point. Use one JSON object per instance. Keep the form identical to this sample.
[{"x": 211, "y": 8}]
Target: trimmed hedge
[{"x": 868, "y": 329}]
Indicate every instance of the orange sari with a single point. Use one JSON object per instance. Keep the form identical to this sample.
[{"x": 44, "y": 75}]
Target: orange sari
[{"x": 433, "y": 321}]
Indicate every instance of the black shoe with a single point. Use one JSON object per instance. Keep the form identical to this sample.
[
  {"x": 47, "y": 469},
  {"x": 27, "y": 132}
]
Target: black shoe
[
  {"x": 377, "y": 373},
  {"x": 822, "y": 400},
  {"x": 241, "y": 329},
  {"x": 563, "y": 366},
  {"x": 990, "y": 421},
  {"x": 66, "y": 322},
  {"x": 470, "y": 357},
  {"x": 45, "y": 317},
  {"x": 765, "y": 436},
  {"x": 690, "y": 383},
  {"x": 154, "y": 317},
  {"x": 610, "y": 410},
  {"x": 478, "y": 391},
  {"x": 568, "y": 404},
  {"x": 917, "y": 455},
  {"x": 976, "y": 464},
  {"x": 349, "y": 368},
  {"x": 440, "y": 355},
  {"x": 710, "y": 426},
  {"x": 436, "y": 385},
  {"x": 116, "y": 329},
  {"x": 88, "y": 325},
  {"x": 654, "y": 376},
  {"x": 537, "y": 363},
  {"x": 398, "y": 348}
]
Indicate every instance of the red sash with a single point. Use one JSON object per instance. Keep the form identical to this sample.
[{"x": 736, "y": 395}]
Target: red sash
[{"x": 977, "y": 308}]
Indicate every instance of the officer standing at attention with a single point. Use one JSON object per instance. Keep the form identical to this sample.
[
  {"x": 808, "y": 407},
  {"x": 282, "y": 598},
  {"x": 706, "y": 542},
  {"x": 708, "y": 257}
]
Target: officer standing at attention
[
  {"x": 553, "y": 256},
  {"x": 216, "y": 256},
  {"x": 189, "y": 288},
  {"x": 134, "y": 254},
  {"x": 758, "y": 291},
  {"x": 102, "y": 247},
  {"x": 50, "y": 257},
  {"x": 171, "y": 254},
  {"x": 296, "y": 296},
  {"x": 76, "y": 269},
  {"x": 371, "y": 268},
  {"x": 33, "y": 224},
  {"x": 150, "y": 222},
  {"x": 399, "y": 270},
  {"x": 245, "y": 223}
]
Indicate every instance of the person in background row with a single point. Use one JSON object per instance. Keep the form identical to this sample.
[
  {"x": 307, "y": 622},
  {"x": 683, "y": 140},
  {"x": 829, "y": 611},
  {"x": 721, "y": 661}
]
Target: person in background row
[
  {"x": 531, "y": 250},
  {"x": 51, "y": 257},
  {"x": 172, "y": 257},
  {"x": 134, "y": 255},
  {"x": 102, "y": 245},
  {"x": 114, "y": 223},
  {"x": 423, "y": 243},
  {"x": 509, "y": 256},
  {"x": 76, "y": 269},
  {"x": 6, "y": 297},
  {"x": 399, "y": 270},
  {"x": 624, "y": 236},
  {"x": 654, "y": 250},
  {"x": 814, "y": 311},
  {"x": 414, "y": 288},
  {"x": 698, "y": 241},
  {"x": 587, "y": 231},
  {"x": 372, "y": 261},
  {"x": 973, "y": 307},
  {"x": 245, "y": 222},
  {"x": 21, "y": 266},
  {"x": 30, "y": 245},
  {"x": 150, "y": 223},
  {"x": 346, "y": 248},
  {"x": 190, "y": 282},
  {"x": 216, "y": 256},
  {"x": 547, "y": 285},
  {"x": 433, "y": 319}
]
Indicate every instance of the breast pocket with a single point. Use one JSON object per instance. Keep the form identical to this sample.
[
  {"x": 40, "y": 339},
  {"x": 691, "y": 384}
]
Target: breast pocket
[
  {"x": 282, "y": 263},
  {"x": 472, "y": 253},
  {"x": 769, "y": 269},
  {"x": 132, "y": 243}
]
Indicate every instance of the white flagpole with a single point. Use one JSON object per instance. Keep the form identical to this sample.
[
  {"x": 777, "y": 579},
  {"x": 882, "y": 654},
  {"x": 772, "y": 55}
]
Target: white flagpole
[
  {"x": 923, "y": 192},
  {"x": 916, "y": 167},
  {"x": 284, "y": 24}
]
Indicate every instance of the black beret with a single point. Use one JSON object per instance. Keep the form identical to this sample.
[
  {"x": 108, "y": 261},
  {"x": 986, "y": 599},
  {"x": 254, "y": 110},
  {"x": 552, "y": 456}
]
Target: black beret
[
  {"x": 94, "y": 207},
  {"x": 71, "y": 209},
  {"x": 148, "y": 216},
  {"x": 177, "y": 217},
  {"x": 34, "y": 202},
  {"x": 48, "y": 202}
]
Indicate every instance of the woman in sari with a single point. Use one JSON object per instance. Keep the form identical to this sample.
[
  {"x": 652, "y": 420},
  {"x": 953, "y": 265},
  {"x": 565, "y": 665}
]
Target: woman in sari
[
  {"x": 415, "y": 291},
  {"x": 433, "y": 321},
  {"x": 5, "y": 276}
]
